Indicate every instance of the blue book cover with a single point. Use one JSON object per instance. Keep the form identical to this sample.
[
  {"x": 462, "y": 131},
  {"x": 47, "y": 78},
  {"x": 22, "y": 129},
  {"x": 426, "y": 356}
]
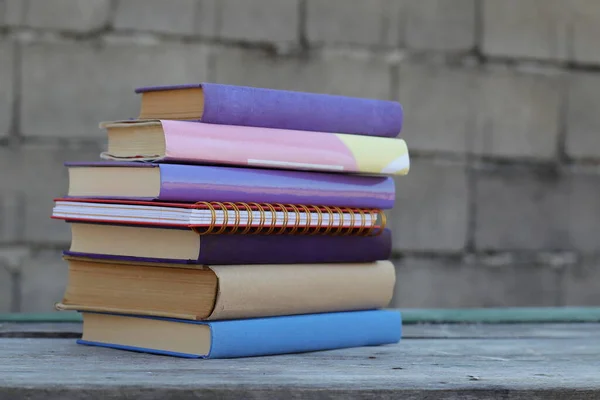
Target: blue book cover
[{"x": 245, "y": 337}]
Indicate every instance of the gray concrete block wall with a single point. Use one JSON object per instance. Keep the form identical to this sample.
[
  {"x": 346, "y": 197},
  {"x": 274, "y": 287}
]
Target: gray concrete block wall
[
  {"x": 432, "y": 207},
  {"x": 178, "y": 17},
  {"x": 7, "y": 78},
  {"x": 501, "y": 100}
]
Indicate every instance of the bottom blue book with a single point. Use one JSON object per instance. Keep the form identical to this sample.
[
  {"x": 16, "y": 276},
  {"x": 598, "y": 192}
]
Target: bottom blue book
[{"x": 242, "y": 337}]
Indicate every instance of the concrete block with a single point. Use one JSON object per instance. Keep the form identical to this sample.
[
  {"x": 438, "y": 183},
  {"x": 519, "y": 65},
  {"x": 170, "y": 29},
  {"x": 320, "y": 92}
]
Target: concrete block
[
  {"x": 580, "y": 283},
  {"x": 44, "y": 279},
  {"x": 517, "y": 115},
  {"x": 525, "y": 209},
  {"x": 7, "y": 84},
  {"x": 206, "y": 17},
  {"x": 583, "y": 118},
  {"x": 62, "y": 15},
  {"x": 331, "y": 73},
  {"x": 585, "y": 31},
  {"x": 435, "y": 121},
  {"x": 14, "y": 12},
  {"x": 11, "y": 259},
  {"x": 432, "y": 206},
  {"x": 259, "y": 20},
  {"x": 395, "y": 23},
  {"x": 68, "y": 88},
  {"x": 38, "y": 176},
  {"x": 174, "y": 17},
  {"x": 583, "y": 222},
  {"x": 349, "y": 21},
  {"x": 457, "y": 283},
  {"x": 534, "y": 29},
  {"x": 440, "y": 25},
  {"x": 5, "y": 290}
]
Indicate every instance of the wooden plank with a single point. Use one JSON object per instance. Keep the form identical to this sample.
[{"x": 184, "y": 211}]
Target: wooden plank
[
  {"x": 551, "y": 367},
  {"x": 414, "y": 331},
  {"x": 409, "y": 315},
  {"x": 501, "y": 331},
  {"x": 40, "y": 330}
]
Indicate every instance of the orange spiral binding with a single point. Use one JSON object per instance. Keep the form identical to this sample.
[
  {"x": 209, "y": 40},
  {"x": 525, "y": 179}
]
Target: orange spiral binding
[
  {"x": 319, "y": 220},
  {"x": 341, "y": 228},
  {"x": 363, "y": 221},
  {"x": 296, "y": 221},
  {"x": 308, "y": 219},
  {"x": 273, "y": 224},
  {"x": 263, "y": 217},
  {"x": 250, "y": 219},
  {"x": 383, "y": 222},
  {"x": 223, "y": 228},
  {"x": 213, "y": 219},
  {"x": 284, "y": 226},
  {"x": 330, "y": 222},
  {"x": 234, "y": 223},
  {"x": 352, "y": 213}
]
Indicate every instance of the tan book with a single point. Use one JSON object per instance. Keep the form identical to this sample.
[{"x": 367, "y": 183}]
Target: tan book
[{"x": 220, "y": 292}]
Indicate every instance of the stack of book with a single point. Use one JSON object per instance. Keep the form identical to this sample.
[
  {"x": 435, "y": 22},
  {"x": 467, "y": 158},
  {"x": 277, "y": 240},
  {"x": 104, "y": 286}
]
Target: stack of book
[{"x": 230, "y": 221}]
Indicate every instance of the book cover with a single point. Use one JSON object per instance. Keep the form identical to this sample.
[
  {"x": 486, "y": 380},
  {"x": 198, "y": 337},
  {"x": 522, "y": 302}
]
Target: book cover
[
  {"x": 265, "y": 336},
  {"x": 253, "y": 249},
  {"x": 192, "y": 183},
  {"x": 202, "y": 143},
  {"x": 284, "y": 109},
  {"x": 226, "y": 292}
]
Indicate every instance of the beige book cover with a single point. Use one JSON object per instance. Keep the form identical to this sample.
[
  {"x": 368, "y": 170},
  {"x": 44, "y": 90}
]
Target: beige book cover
[{"x": 226, "y": 291}]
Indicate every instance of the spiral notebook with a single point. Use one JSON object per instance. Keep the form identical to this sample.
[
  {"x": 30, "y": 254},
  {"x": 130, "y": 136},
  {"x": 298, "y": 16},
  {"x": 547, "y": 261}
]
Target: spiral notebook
[{"x": 218, "y": 218}]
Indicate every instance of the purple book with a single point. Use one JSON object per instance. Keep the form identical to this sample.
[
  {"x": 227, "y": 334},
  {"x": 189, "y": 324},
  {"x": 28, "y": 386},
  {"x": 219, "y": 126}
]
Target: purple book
[
  {"x": 269, "y": 108},
  {"x": 193, "y": 183},
  {"x": 274, "y": 249}
]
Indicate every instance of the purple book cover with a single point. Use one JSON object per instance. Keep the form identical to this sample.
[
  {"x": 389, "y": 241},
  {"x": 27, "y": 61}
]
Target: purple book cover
[
  {"x": 192, "y": 183},
  {"x": 283, "y": 109},
  {"x": 277, "y": 249}
]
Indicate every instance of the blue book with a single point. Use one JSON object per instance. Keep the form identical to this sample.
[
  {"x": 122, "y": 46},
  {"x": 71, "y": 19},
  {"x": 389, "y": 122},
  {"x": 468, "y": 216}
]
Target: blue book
[{"x": 242, "y": 337}]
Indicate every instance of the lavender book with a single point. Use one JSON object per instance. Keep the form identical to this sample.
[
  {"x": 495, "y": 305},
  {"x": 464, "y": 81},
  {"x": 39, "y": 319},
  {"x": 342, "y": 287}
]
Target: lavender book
[
  {"x": 270, "y": 108},
  {"x": 193, "y": 183}
]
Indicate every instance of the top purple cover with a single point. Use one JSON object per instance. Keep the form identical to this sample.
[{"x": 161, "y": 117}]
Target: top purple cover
[{"x": 282, "y": 109}]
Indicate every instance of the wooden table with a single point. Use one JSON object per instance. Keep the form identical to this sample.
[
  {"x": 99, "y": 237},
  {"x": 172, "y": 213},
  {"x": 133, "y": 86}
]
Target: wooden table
[{"x": 433, "y": 361}]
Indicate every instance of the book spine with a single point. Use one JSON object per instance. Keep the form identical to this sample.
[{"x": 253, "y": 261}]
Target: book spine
[
  {"x": 201, "y": 143},
  {"x": 186, "y": 183},
  {"x": 302, "y": 333},
  {"x": 237, "y": 105}
]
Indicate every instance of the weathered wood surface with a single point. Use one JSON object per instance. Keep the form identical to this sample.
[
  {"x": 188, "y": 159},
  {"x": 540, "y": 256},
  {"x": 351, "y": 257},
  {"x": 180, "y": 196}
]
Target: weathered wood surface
[
  {"x": 483, "y": 362},
  {"x": 417, "y": 331}
]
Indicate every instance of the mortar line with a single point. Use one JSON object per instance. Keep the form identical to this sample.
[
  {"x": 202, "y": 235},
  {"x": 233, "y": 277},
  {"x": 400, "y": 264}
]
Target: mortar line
[
  {"x": 302, "y": 26},
  {"x": 563, "y": 111},
  {"x": 15, "y": 134},
  {"x": 478, "y": 29}
]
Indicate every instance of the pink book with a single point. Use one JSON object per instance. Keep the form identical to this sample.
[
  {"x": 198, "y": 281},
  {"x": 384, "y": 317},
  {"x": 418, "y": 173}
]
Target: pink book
[{"x": 201, "y": 143}]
